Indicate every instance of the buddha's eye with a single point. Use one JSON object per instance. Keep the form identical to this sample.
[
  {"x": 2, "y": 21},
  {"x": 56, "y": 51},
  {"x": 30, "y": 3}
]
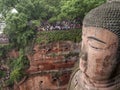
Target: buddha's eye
[{"x": 96, "y": 45}]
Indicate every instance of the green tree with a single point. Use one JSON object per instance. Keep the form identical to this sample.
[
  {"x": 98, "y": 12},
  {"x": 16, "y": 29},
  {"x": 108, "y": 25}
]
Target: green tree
[
  {"x": 18, "y": 66},
  {"x": 21, "y": 26},
  {"x": 78, "y": 8},
  {"x": 34, "y": 9},
  {"x": 17, "y": 29}
]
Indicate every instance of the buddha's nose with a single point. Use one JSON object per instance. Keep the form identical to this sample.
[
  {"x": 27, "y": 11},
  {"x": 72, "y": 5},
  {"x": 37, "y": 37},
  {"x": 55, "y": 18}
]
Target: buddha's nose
[
  {"x": 83, "y": 62},
  {"x": 84, "y": 56}
]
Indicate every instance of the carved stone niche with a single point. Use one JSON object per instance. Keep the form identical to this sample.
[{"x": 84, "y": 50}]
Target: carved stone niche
[{"x": 99, "y": 61}]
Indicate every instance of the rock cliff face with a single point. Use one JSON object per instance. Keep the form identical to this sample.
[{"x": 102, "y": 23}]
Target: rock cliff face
[{"x": 50, "y": 66}]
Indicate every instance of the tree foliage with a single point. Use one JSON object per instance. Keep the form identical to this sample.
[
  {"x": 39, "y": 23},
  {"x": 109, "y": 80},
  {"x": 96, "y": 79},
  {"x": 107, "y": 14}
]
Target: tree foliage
[
  {"x": 21, "y": 26},
  {"x": 78, "y": 8},
  {"x": 17, "y": 29},
  {"x": 47, "y": 9},
  {"x": 18, "y": 66}
]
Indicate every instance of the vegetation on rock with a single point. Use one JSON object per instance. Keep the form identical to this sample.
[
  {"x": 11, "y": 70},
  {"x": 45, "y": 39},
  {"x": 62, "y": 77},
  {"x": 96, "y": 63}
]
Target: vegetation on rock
[{"x": 54, "y": 36}]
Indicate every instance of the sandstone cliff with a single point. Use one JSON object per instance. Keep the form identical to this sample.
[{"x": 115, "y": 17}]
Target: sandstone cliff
[{"x": 50, "y": 66}]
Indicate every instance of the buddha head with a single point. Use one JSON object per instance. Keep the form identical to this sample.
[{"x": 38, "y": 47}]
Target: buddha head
[{"x": 100, "y": 48}]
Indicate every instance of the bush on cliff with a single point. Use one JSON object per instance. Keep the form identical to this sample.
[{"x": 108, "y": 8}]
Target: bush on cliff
[{"x": 61, "y": 35}]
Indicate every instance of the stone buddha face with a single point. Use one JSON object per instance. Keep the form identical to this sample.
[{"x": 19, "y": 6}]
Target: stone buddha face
[{"x": 98, "y": 57}]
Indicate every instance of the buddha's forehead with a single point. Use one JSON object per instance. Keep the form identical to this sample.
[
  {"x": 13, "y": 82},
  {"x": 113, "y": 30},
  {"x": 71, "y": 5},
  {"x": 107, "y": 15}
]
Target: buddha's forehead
[{"x": 99, "y": 33}]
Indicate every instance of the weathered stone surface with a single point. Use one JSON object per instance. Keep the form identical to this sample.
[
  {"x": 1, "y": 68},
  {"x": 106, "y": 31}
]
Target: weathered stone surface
[
  {"x": 50, "y": 66},
  {"x": 43, "y": 83}
]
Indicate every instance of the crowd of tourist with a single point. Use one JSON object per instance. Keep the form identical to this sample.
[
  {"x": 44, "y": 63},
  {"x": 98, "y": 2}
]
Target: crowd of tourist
[{"x": 63, "y": 25}]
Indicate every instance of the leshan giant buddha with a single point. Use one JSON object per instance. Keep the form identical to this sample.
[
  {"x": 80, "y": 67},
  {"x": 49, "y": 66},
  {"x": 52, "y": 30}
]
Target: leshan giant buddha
[{"x": 99, "y": 65}]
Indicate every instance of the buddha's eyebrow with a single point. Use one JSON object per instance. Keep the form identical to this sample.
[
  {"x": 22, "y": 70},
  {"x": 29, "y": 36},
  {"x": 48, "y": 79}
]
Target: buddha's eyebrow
[{"x": 90, "y": 37}]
